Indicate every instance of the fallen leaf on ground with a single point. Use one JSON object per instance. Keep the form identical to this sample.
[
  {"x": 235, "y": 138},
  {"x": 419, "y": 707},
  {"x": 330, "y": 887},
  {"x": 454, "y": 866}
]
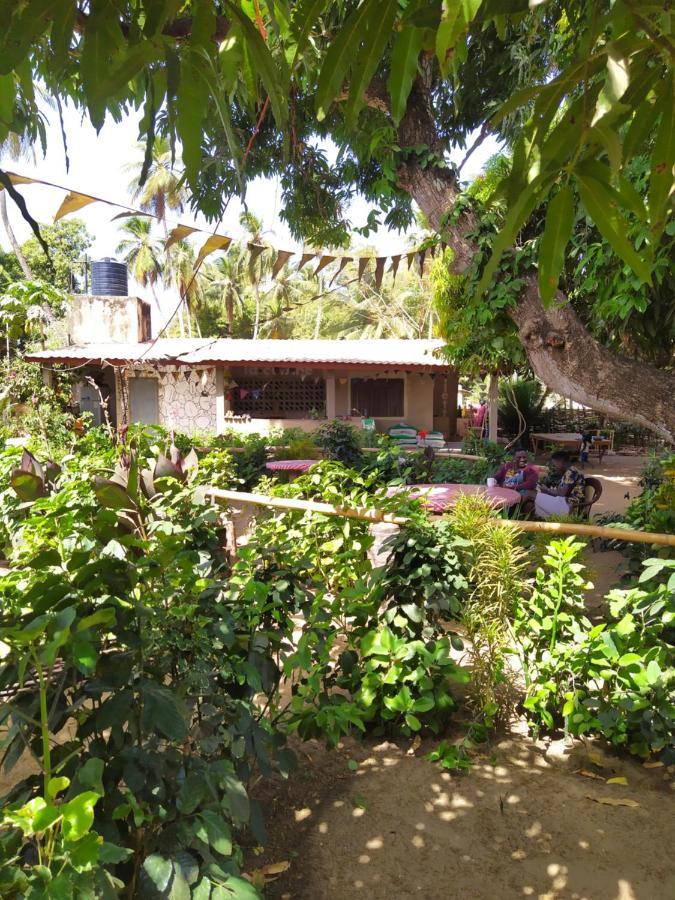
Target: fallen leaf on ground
[
  {"x": 613, "y": 801},
  {"x": 414, "y": 746},
  {"x": 655, "y": 764},
  {"x": 273, "y": 870},
  {"x": 588, "y": 774},
  {"x": 618, "y": 780}
]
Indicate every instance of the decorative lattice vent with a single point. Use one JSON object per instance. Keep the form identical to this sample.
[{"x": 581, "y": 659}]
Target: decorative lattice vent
[{"x": 279, "y": 395}]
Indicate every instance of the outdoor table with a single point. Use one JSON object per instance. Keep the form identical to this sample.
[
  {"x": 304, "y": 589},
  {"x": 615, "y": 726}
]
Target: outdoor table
[
  {"x": 439, "y": 497},
  {"x": 563, "y": 439},
  {"x": 290, "y": 465}
]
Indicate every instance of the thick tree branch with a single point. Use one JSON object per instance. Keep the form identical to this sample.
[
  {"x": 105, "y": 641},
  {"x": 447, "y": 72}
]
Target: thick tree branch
[{"x": 561, "y": 351}]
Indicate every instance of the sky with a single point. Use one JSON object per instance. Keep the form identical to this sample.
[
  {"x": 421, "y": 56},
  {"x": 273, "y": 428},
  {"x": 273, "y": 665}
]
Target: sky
[{"x": 98, "y": 165}]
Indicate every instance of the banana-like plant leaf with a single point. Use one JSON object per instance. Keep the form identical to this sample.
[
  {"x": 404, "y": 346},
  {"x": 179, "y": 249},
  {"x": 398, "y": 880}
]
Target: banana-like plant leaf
[
  {"x": 165, "y": 468},
  {"x": 30, "y": 464},
  {"x": 147, "y": 483},
  {"x": 27, "y": 485},
  {"x": 190, "y": 461},
  {"x": 112, "y": 495}
]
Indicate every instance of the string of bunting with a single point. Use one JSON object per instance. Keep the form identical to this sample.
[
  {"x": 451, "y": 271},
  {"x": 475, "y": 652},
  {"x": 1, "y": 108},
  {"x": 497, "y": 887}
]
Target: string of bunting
[{"x": 75, "y": 201}]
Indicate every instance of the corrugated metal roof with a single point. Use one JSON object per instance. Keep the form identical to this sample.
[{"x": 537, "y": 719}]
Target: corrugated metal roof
[{"x": 390, "y": 353}]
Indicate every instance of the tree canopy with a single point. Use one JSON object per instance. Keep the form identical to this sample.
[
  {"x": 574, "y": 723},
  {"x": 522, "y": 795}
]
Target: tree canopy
[{"x": 580, "y": 92}]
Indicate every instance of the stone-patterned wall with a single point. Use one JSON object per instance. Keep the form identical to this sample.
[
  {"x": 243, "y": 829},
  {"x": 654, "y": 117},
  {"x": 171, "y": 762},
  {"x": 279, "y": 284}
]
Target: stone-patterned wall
[
  {"x": 187, "y": 397},
  {"x": 188, "y": 403}
]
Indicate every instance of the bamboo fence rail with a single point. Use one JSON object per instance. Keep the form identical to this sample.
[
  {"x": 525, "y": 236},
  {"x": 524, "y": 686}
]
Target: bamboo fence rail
[{"x": 378, "y": 515}]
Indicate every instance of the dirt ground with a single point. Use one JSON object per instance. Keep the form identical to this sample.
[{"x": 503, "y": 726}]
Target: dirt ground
[{"x": 522, "y": 823}]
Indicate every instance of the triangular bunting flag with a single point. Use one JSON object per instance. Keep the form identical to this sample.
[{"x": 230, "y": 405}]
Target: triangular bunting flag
[
  {"x": 363, "y": 263},
  {"x": 255, "y": 250},
  {"x": 282, "y": 258},
  {"x": 19, "y": 179},
  {"x": 422, "y": 254},
  {"x": 323, "y": 262},
  {"x": 395, "y": 260},
  {"x": 379, "y": 270},
  {"x": 304, "y": 259},
  {"x": 411, "y": 258},
  {"x": 177, "y": 234},
  {"x": 72, "y": 202},
  {"x": 343, "y": 262},
  {"x": 215, "y": 242}
]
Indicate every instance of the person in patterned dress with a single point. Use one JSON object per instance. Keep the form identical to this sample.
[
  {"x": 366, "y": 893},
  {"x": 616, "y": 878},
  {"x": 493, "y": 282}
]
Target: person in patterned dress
[{"x": 568, "y": 492}]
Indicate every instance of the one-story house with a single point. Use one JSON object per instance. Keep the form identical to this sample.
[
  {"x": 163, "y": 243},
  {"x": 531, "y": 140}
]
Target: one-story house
[{"x": 207, "y": 384}]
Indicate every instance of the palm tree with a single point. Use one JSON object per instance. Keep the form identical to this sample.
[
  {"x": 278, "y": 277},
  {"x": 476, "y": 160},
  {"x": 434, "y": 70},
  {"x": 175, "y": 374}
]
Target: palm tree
[
  {"x": 15, "y": 147},
  {"x": 142, "y": 253},
  {"x": 258, "y": 267},
  {"x": 225, "y": 282},
  {"x": 163, "y": 188},
  {"x": 179, "y": 272}
]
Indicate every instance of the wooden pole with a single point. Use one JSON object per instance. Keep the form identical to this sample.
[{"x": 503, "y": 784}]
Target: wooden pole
[
  {"x": 493, "y": 406},
  {"x": 367, "y": 515},
  {"x": 378, "y": 515}
]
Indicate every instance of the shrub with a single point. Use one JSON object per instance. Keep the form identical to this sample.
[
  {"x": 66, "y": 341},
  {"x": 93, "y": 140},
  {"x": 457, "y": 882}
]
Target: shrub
[
  {"x": 616, "y": 678},
  {"x": 340, "y": 442}
]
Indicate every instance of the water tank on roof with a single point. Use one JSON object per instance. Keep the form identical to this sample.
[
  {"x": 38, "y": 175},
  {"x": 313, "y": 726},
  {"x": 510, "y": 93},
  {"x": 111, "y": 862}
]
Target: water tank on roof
[{"x": 109, "y": 278}]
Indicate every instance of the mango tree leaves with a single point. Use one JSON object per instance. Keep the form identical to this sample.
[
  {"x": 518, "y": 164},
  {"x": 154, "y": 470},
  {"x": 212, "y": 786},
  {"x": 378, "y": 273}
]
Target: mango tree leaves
[
  {"x": 339, "y": 58},
  {"x": 379, "y": 19},
  {"x": 600, "y": 201},
  {"x": 456, "y": 18},
  {"x": 557, "y": 232},
  {"x": 404, "y": 61},
  {"x": 662, "y": 181}
]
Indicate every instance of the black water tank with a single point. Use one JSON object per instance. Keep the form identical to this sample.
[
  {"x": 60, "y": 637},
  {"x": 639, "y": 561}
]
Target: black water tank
[{"x": 109, "y": 278}]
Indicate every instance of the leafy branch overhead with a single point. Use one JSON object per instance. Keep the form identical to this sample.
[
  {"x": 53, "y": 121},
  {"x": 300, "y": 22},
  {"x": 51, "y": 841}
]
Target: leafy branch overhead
[{"x": 598, "y": 92}]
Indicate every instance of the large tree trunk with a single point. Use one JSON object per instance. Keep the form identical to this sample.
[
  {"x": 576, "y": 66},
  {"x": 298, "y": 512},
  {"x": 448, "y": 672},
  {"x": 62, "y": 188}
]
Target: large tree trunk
[
  {"x": 565, "y": 356},
  {"x": 560, "y": 349},
  {"x": 25, "y": 268}
]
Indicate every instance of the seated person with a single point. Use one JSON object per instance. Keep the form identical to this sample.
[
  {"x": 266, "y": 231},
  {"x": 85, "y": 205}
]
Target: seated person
[
  {"x": 568, "y": 491},
  {"x": 518, "y": 474}
]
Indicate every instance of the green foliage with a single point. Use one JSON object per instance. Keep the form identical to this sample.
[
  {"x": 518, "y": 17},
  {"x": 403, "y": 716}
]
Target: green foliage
[
  {"x": 339, "y": 441},
  {"x": 424, "y": 581},
  {"x": 522, "y": 397},
  {"x": 67, "y": 241},
  {"x": 615, "y": 678},
  {"x": 27, "y": 308}
]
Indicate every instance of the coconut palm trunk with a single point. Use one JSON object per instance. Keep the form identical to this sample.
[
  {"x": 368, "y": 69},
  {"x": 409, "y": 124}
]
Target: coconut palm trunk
[{"x": 25, "y": 268}]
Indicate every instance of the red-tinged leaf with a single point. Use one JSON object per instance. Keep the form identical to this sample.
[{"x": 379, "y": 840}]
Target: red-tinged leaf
[
  {"x": 165, "y": 468},
  {"x": 27, "y": 485},
  {"x": 557, "y": 232},
  {"x": 111, "y": 495}
]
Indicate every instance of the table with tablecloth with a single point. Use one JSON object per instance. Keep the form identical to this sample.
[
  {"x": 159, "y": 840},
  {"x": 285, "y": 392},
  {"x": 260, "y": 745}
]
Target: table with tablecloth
[
  {"x": 290, "y": 465},
  {"x": 439, "y": 497}
]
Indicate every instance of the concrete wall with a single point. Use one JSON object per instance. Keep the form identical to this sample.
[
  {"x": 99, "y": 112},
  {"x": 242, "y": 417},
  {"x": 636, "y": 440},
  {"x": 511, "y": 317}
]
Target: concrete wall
[
  {"x": 101, "y": 320},
  {"x": 419, "y": 401}
]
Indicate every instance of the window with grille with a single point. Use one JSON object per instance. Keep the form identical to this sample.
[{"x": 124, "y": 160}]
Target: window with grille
[
  {"x": 278, "y": 395},
  {"x": 378, "y": 396}
]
